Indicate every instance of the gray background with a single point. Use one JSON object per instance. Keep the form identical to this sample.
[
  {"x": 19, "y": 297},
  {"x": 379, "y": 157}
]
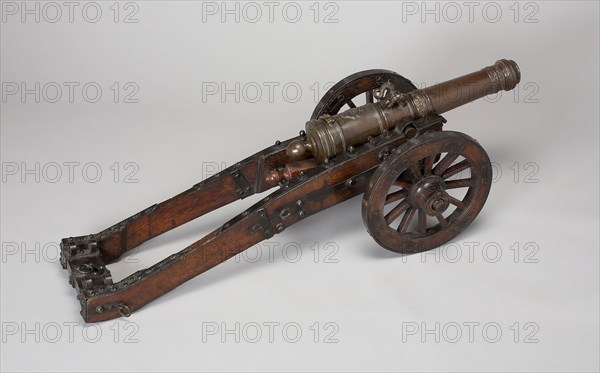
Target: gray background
[{"x": 532, "y": 274}]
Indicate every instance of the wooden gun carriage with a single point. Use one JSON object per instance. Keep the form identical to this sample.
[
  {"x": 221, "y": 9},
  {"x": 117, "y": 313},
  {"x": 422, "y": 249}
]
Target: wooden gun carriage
[{"x": 422, "y": 186}]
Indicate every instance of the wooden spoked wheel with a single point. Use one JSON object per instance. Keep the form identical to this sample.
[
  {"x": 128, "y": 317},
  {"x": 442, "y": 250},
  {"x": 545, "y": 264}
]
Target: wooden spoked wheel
[
  {"x": 349, "y": 91},
  {"x": 415, "y": 202}
]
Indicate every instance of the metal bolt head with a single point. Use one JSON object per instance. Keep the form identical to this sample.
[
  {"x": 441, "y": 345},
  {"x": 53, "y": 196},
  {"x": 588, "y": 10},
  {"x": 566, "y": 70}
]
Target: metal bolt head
[
  {"x": 439, "y": 205},
  {"x": 410, "y": 132}
]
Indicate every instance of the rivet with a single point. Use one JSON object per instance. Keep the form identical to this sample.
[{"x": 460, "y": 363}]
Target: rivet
[
  {"x": 284, "y": 213},
  {"x": 124, "y": 310}
]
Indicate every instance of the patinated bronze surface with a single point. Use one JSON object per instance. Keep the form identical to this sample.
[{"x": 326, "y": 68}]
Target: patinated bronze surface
[{"x": 422, "y": 186}]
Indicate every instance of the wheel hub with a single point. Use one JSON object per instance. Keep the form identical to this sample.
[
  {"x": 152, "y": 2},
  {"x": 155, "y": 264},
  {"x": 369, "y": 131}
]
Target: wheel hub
[{"x": 429, "y": 194}]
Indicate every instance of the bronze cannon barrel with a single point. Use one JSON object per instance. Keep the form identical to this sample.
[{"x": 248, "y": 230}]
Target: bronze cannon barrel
[
  {"x": 328, "y": 135},
  {"x": 503, "y": 75}
]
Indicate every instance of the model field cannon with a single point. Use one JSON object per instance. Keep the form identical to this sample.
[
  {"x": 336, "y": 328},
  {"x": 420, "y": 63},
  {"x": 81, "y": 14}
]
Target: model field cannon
[{"x": 422, "y": 186}]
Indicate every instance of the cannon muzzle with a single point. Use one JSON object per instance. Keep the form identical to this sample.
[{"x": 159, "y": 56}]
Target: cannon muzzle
[
  {"x": 504, "y": 75},
  {"x": 328, "y": 135}
]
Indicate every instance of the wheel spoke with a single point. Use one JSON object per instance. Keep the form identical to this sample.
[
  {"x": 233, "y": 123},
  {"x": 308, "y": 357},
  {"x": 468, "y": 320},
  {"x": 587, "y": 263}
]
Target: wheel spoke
[
  {"x": 428, "y": 165},
  {"x": 406, "y": 219},
  {"x": 396, "y": 196},
  {"x": 403, "y": 184},
  {"x": 422, "y": 221},
  {"x": 369, "y": 94},
  {"x": 396, "y": 212},
  {"x": 461, "y": 183},
  {"x": 459, "y": 167},
  {"x": 441, "y": 219},
  {"x": 445, "y": 163},
  {"x": 456, "y": 202},
  {"x": 350, "y": 103},
  {"x": 414, "y": 168}
]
